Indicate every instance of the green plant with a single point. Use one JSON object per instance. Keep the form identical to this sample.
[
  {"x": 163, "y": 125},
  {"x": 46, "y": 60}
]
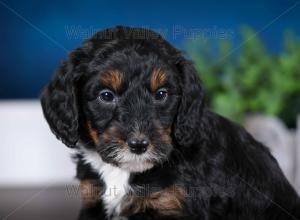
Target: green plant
[{"x": 249, "y": 79}]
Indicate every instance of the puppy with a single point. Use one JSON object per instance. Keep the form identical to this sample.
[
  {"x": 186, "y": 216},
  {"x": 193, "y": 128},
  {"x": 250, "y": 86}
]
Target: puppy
[{"x": 147, "y": 147}]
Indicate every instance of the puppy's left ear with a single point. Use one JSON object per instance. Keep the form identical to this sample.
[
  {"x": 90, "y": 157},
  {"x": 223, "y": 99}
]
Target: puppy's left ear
[{"x": 191, "y": 104}]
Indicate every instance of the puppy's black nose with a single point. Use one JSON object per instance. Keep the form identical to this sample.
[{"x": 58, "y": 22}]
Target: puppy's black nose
[{"x": 138, "y": 146}]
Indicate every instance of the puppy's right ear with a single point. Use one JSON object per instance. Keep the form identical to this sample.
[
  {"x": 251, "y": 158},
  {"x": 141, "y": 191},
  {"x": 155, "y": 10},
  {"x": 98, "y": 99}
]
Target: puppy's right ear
[
  {"x": 191, "y": 104},
  {"x": 60, "y": 105}
]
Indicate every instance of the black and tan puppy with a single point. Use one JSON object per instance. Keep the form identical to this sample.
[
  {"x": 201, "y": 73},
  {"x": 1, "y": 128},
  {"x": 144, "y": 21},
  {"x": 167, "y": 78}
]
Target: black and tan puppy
[{"x": 147, "y": 147}]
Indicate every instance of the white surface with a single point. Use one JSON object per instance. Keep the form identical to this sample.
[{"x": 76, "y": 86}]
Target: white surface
[
  {"x": 29, "y": 153},
  {"x": 280, "y": 140},
  {"x": 297, "y": 167},
  {"x": 273, "y": 133}
]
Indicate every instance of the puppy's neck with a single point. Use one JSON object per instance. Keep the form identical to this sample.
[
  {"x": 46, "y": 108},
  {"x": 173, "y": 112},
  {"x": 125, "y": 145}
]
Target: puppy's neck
[{"x": 116, "y": 180}]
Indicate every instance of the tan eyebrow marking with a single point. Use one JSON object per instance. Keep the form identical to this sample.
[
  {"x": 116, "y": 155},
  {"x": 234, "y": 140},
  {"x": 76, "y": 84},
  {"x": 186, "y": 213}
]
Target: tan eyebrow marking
[
  {"x": 158, "y": 78},
  {"x": 112, "y": 79}
]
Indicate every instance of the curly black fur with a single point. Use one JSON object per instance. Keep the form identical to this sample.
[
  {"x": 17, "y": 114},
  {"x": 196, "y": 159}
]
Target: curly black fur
[{"x": 225, "y": 173}]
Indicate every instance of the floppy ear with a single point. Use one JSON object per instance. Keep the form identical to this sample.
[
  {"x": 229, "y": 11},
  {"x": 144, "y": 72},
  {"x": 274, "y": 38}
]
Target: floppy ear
[
  {"x": 191, "y": 104},
  {"x": 60, "y": 105}
]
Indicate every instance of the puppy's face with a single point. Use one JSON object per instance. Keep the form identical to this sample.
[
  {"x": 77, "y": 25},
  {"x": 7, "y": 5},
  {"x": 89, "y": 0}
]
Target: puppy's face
[
  {"x": 127, "y": 94},
  {"x": 130, "y": 107}
]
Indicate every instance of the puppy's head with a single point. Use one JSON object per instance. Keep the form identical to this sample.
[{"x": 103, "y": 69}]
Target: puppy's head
[{"x": 129, "y": 95}]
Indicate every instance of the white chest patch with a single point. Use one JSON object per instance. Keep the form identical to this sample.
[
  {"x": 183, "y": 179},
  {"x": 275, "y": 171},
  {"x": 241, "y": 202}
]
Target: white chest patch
[{"x": 115, "y": 179}]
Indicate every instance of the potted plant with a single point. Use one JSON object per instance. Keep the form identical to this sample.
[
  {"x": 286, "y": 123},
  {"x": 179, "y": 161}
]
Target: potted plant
[{"x": 256, "y": 88}]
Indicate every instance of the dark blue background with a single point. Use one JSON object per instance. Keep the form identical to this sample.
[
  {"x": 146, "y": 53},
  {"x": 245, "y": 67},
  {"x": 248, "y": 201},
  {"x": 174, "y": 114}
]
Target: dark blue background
[{"x": 29, "y": 57}]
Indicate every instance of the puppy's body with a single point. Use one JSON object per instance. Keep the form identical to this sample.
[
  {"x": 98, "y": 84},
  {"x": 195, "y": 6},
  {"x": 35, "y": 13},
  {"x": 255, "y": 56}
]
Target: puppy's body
[
  {"x": 134, "y": 109},
  {"x": 227, "y": 175}
]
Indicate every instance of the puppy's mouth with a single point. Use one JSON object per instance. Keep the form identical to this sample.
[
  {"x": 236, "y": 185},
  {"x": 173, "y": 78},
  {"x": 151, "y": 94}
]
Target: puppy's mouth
[
  {"x": 123, "y": 158},
  {"x": 136, "y": 162}
]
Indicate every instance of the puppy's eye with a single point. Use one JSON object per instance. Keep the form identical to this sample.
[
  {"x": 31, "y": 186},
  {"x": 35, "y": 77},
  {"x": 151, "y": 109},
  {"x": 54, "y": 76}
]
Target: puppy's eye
[
  {"x": 161, "y": 95},
  {"x": 107, "y": 96}
]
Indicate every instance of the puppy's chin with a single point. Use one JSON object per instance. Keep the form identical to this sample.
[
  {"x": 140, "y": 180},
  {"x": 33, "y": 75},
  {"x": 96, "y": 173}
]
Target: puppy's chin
[
  {"x": 123, "y": 158},
  {"x": 136, "y": 166},
  {"x": 136, "y": 163}
]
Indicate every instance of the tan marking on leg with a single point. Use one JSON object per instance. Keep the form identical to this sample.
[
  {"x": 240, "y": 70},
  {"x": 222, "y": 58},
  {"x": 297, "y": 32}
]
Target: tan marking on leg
[
  {"x": 168, "y": 202},
  {"x": 90, "y": 192}
]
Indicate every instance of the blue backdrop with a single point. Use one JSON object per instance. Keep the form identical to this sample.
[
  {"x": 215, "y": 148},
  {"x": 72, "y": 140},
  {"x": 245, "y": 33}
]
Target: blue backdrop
[{"x": 37, "y": 35}]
